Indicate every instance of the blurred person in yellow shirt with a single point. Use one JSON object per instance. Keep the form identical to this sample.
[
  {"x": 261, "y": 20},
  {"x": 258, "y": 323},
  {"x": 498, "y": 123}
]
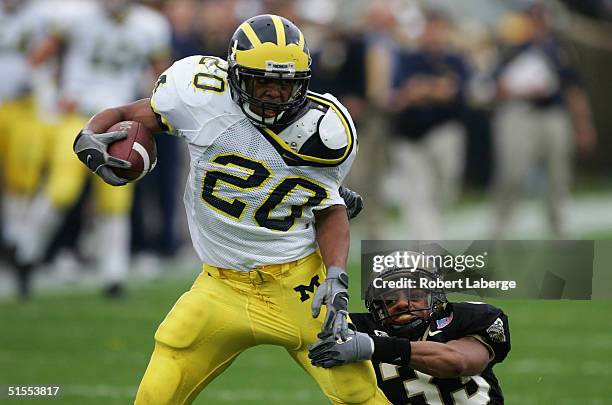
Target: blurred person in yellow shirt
[{"x": 23, "y": 133}]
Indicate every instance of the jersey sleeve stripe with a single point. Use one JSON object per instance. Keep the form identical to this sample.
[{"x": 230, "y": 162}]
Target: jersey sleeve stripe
[{"x": 489, "y": 348}]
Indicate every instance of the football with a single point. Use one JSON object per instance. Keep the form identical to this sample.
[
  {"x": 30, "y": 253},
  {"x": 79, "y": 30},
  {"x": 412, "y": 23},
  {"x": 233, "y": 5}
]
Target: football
[{"x": 138, "y": 148}]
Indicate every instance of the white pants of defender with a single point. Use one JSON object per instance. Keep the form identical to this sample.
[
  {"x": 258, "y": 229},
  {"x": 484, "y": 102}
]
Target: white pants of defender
[
  {"x": 431, "y": 172},
  {"x": 523, "y": 137}
]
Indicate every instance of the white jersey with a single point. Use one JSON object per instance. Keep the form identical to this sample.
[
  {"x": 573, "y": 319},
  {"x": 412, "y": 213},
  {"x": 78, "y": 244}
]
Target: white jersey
[
  {"x": 106, "y": 58},
  {"x": 251, "y": 192},
  {"x": 19, "y": 31}
]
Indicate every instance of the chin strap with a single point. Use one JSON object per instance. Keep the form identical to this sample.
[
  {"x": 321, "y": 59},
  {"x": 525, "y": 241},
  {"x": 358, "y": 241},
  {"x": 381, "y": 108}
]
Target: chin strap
[{"x": 258, "y": 119}]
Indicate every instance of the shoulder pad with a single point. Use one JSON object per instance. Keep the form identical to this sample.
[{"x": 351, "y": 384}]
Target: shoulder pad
[
  {"x": 329, "y": 132},
  {"x": 296, "y": 134},
  {"x": 332, "y": 132},
  {"x": 336, "y": 136},
  {"x": 336, "y": 129}
]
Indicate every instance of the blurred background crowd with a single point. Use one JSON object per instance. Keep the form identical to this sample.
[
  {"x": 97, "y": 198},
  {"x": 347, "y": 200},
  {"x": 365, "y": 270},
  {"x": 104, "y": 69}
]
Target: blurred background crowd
[{"x": 468, "y": 112}]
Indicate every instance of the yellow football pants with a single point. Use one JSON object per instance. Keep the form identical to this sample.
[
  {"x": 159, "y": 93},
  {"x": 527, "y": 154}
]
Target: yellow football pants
[
  {"x": 67, "y": 175},
  {"x": 225, "y": 313},
  {"x": 23, "y": 145}
]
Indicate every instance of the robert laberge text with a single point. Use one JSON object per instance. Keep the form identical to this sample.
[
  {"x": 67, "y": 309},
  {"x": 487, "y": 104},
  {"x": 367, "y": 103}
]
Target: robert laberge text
[{"x": 466, "y": 283}]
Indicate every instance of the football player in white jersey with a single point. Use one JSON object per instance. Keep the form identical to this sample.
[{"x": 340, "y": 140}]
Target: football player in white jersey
[
  {"x": 107, "y": 45},
  {"x": 265, "y": 213},
  {"x": 22, "y": 132}
]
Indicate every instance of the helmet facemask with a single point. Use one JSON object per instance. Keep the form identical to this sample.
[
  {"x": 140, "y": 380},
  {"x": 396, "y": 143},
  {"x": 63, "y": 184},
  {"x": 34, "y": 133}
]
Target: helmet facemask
[
  {"x": 292, "y": 87},
  {"x": 391, "y": 307}
]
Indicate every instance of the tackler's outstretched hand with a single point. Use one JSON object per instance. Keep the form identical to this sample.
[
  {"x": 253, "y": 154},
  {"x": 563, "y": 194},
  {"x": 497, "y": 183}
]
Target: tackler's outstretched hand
[
  {"x": 352, "y": 200},
  {"x": 329, "y": 352}
]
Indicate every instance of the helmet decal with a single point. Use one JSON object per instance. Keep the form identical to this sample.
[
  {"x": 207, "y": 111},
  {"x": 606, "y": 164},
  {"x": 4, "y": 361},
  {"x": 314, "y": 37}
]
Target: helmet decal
[
  {"x": 265, "y": 30},
  {"x": 241, "y": 41}
]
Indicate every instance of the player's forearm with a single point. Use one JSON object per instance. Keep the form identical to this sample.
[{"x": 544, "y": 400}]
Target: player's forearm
[
  {"x": 103, "y": 120},
  {"x": 333, "y": 235},
  {"x": 139, "y": 111},
  {"x": 438, "y": 360}
]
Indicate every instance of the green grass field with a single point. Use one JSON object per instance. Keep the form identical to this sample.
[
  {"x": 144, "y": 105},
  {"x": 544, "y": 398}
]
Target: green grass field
[{"x": 98, "y": 350}]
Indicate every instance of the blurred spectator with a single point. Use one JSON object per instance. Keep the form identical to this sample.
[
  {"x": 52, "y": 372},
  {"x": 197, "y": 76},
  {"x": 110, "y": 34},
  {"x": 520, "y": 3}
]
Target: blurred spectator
[
  {"x": 428, "y": 151},
  {"x": 105, "y": 46},
  {"x": 216, "y": 22},
  {"x": 541, "y": 104},
  {"x": 338, "y": 65},
  {"x": 480, "y": 46},
  {"x": 354, "y": 63},
  {"x": 181, "y": 14},
  {"x": 281, "y": 7}
]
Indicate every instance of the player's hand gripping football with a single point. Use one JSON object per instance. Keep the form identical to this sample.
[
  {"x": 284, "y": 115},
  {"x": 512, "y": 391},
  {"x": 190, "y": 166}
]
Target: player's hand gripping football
[
  {"x": 352, "y": 200},
  {"x": 329, "y": 352},
  {"x": 92, "y": 150},
  {"x": 333, "y": 293}
]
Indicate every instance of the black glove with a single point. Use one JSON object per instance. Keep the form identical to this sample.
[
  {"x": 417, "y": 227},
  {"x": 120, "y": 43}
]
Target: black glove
[
  {"x": 92, "y": 150},
  {"x": 329, "y": 352},
  {"x": 352, "y": 200},
  {"x": 334, "y": 294}
]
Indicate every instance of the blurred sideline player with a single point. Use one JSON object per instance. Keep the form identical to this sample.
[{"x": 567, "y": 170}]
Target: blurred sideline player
[
  {"x": 264, "y": 209},
  {"x": 106, "y": 47},
  {"x": 23, "y": 134},
  {"x": 425, "y": 350}
]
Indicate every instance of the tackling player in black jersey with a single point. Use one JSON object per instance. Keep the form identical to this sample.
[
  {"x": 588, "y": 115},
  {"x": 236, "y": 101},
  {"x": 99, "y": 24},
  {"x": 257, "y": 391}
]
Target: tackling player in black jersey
[{"x": 425, "y": 350}]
